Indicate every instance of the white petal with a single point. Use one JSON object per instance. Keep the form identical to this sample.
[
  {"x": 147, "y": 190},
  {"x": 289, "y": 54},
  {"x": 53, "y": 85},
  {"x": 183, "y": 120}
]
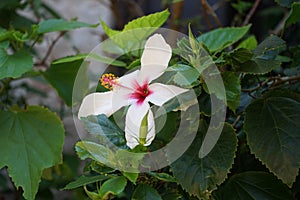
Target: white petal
[
  {"x": 155, "y": 58},
  {"x": 134, "y": 118},
  {"x": 95, "y": 104},
  {"x": 162, "y": 93},
  {"x": 121, "y": 93}
]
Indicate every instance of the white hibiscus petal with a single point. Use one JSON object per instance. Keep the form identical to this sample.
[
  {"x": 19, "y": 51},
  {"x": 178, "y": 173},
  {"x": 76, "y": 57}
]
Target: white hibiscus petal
[
  {"x": 155, "y": 58},
  {"x": 95, "y": 104},
  {"x": 121, "y": 92},
  {"x": 134, "y": 117},
  {"x": 162, "y": 93}
]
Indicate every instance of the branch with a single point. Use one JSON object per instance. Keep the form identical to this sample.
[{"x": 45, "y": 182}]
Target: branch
[
  {"x": 176, "y": 15},
  {"x": 208, "y": 10},
  {"x": 280, "y": 25},
  {"x": 251, "y": 12}
]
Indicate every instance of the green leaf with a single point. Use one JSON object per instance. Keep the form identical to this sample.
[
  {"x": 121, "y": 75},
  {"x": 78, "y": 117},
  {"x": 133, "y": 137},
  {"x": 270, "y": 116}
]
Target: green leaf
[
  {"x": 273, "y": 134},
  {"x": 133, "y": 34},
  {"x": 255, "y": 185},
  {"x": 265, "y": 56},
  {"x": 233, "y": 89},
  {"x": 85, "y": 180},
  {"x": 113, "y": 186},
  {"x": 152, "y": 20},
  {"x": 104, "y": 129},
  {"x": 31, "y": 140},
  {"x": 99, "y": 58},
  {"x": 145, "y": 192},
  {"x": 131, "y": 176},
  {"x": 53, "y": 25},
  {"x": 201, "y": 176},
  {"x": 163, "y": 177},
  {"x": 14, "y": 65},
  {"x": 221, "y": 38},
  {"x": 294, "y": 15},
  {"x": 185, "y": 75},
  {"x": 62, "y": 77},
  {"x": 249, "y": 43}
]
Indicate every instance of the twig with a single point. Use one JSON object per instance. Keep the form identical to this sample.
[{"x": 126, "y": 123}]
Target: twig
[
  {"x": 251, "y": 12},
  {"x": 208, "y": 10},
  {"x": 236, "y": 121},
  {"x": 176, "y": 15},
  {"x": 51, "y": 47},
  {"x": 280, "y": 25}
]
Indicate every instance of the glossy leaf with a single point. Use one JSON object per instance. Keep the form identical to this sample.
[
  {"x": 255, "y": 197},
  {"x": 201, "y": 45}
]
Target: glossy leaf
[
  {"x": 254, "y": 185},
  {"x": 273, "y": 134},
  {"x": 113, "y": 186},
  {"x": 101, "y": 127},
  {"x": 85, "y": 180},
  {"x": 201, "y": 176},
  {"x": 221, "y": 38},
  {"x": 53, "y": 25},
  {"x": 31, "y": 140},
  {"x": 185, "y": 75},
  {"x": 62, "y": 77},
  {"x": 131, "y": 176},
  {"x": 145, "y": 192},
  {"x": 14, "y": 65}
]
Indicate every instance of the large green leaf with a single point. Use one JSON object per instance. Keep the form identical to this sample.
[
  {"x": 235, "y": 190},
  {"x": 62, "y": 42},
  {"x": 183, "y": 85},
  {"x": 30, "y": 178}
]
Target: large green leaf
[
  {"x": 201, "y": 176},
  {"x": 294, "y": 15},
  {"x": 102, "y": 128},
  {"x": 254, "y": 185},
  {"x": 273, "y": 134},
  {"x": 221, "y": 38},
  {"x": 53, "y": 25},
  {"x": 62, "y": 77},
  {"x": 264, "y": 59},
  {"x": 14, "y": 65},
  {"x": 30, "y": 141},
  {"x": 145, "y": 192},
  {"x": 85, "y": 180},
  {"x": 113, "y": 186}
]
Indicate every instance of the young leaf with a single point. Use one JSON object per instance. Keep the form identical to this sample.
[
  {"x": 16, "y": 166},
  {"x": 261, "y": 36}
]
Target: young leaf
[
  {"x": 31, "y": 140},
  {"x": 249, "y": 43},
  {"x": 14, "y": 65},
  {"x": 113, "y": 186},
  {"x": 273, "y": 134},
  {"x": 85, "y": 180},
  {"x": 62, "y": 77},
  {"x": 294, "y": 15},
  {"x": 131, "y": 176},
  {"x": 221, "y": 38},
  {"x": 201, "y": 176},
  {"x": 53, "y": 25},
  {"x": 145, "y": 192},
  {"x": 254, "y": 185}
]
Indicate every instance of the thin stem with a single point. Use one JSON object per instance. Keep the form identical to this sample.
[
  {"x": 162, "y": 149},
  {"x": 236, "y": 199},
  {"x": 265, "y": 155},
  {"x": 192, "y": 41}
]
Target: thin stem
[
  {"x": 251, "y": 12},
  {"x": 61, "y": 34}
]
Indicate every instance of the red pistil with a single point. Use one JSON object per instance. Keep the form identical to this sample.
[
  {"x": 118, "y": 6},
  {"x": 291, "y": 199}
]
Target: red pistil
[{"x": 141, "y": 92}]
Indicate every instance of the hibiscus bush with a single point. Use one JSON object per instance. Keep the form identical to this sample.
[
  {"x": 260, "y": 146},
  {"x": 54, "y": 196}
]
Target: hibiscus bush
[{"x": 160, "y": 114}]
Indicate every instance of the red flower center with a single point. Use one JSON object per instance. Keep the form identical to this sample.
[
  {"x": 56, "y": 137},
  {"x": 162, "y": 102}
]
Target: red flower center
[{"x": 140, "y": 93}]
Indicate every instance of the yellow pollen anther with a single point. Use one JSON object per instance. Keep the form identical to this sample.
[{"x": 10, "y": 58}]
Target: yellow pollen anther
[{"x": 108, "y": 81}]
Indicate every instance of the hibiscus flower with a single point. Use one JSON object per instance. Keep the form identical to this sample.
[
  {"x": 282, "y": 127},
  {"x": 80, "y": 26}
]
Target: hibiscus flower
[{"x": 136, "y": 90}]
